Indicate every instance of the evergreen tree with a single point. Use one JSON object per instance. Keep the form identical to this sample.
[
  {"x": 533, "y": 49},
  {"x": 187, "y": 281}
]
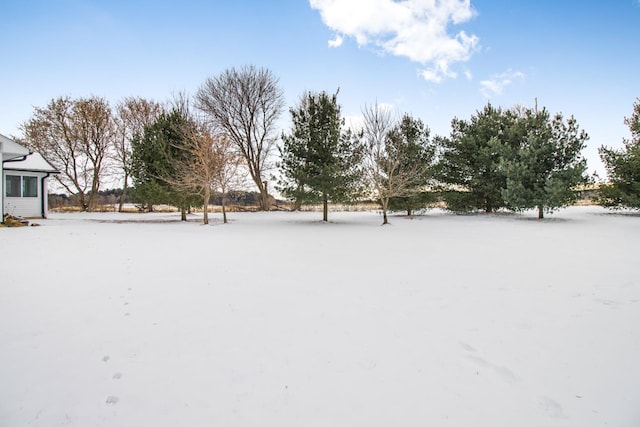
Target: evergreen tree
[
  {"x": 155, "y": 156},
  {"x": 131, "y": 116},
  {"x": 470, "y": 163},
  {"x": 547, "y": 166},
  {"x": 410, "y": 138},
  {"x": 320, "y": 160},
  {"x": 148, "y": 163},
  {"x": 623, "y": 168}
]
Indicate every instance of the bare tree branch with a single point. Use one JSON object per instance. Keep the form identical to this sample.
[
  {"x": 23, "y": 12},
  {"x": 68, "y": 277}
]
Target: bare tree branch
[
  {"x": 210, "y": 160},
  {"x": 246, "y": 104},
  {"x": 132, "y": 115},
  {"x": 76, "y": 137},
  {"x": 389, "y": 167}
]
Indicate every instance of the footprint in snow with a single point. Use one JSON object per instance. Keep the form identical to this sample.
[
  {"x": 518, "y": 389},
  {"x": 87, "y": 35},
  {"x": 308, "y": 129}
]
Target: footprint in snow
[
  {"x": 117, "y": 376},
  {"x": 551, "y": 407},
  {"x": 112, "y": 400},
  {"x": 505, "y": 373},
  {"x": 106, "y": 358},
  {"x": 467, "y": 346}
]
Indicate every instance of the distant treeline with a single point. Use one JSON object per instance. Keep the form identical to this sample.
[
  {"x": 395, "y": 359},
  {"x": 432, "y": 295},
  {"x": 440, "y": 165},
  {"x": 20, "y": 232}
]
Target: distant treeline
[
  {"x": 111, "y": 197},
  {"x": 103, "y": 198}
]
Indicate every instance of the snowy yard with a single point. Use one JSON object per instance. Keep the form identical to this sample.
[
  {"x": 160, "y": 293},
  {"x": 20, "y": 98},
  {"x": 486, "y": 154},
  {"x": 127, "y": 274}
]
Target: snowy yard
[{"x": 279, "y": 320}]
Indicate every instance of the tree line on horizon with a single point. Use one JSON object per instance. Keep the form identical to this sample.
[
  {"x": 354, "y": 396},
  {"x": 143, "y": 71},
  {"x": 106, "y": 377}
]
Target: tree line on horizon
[
  {"x": 110, "y": 199},
  {"x": 213, "y": 142}
]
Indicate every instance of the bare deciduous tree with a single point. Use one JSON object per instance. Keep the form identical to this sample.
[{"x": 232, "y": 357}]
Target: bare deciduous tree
[
  {"x": 246, "y": 104},
  {"x": 75, "y": 136},
  {"x": 210, "y": 160},
  {"x": 198, "y": 169},
  {"x": 380, "y": 165},
  {"x": 229, "y": 162},
  {"x": 132, "y": 115},
  {"x": 391, "y": 169},
  {"x": 211, "y": 163}
]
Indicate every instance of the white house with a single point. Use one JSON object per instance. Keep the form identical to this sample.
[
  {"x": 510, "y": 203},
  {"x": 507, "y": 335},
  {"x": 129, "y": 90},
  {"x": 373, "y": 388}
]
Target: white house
[{"x": 24, "y": 181}]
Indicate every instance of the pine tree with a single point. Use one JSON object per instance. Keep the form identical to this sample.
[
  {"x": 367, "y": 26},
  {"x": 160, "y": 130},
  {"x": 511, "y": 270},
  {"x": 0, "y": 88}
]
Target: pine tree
[
  {"x": 148, "y": 163},
  {"x": 411, "y": 140},
  {"x": 320, "y": 160},
  {"x": 545, "y": 169},
  {"x": 155, "y": 157},
  {"x": 623, "y": 168},
  {"x": 470, "y": 164}
]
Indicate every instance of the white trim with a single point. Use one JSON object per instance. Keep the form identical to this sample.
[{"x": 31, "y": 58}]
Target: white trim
[
  {"x": 31, "y": 164},
  {"x": 11, "y": 149}
]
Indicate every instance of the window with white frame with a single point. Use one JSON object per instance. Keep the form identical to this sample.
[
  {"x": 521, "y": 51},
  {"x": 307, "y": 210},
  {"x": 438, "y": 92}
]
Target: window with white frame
[
  {"x": 21, "y": 186},
  {"x": 29, "y": 186},
  {"x": 13, "y": 185}
]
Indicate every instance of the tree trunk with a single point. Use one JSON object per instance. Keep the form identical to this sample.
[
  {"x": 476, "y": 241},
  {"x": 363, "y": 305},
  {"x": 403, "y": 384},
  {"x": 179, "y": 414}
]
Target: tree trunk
[
  {"x": 297, "y": 204},
  {"x": 83, "y": 202},
  {"x": 124, "y": 192},
  {"x": 95, "y": 188},
  {"x": 540, "y": 212},
  {"x": 384, "y": 202},
  {"x": 224, "y": 207},
  {"x": 488, "y": 208},
  {"x": 264, "y": 197},
  {"x": 409, "y": 212},
  {"x": 325, "y": 208},
  {"x": 205, "y": 213},
  {"x": 183, "y": 214}
]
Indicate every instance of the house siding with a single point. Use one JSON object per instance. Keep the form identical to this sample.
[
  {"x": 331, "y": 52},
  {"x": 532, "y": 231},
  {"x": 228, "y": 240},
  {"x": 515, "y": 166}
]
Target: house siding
[
  {"x": 1, "y": 187},
  {"x": 28, "y": 207},
  {"x": 1, "y": 181},
  {"x": 19, "y": 161}
]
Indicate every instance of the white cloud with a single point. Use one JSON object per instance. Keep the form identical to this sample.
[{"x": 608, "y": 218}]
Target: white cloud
[
  {"x": 337, "y": 41},
  {"x": 415, "y": 29},
  {"x": 438, "y": 72},
  {"x": 468, "y": 74},
  {"x": 385, "y": 106},
  {"x": 354, "y": 122},
  {"x": 498, "y": 82}
]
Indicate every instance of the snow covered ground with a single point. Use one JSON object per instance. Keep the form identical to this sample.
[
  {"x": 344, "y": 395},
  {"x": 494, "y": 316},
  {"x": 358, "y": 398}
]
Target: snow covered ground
[{"x": 277, "y": 319}]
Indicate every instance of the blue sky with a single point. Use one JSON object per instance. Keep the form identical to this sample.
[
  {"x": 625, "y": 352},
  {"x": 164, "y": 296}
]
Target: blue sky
[{"x": 433, "y": 59}]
